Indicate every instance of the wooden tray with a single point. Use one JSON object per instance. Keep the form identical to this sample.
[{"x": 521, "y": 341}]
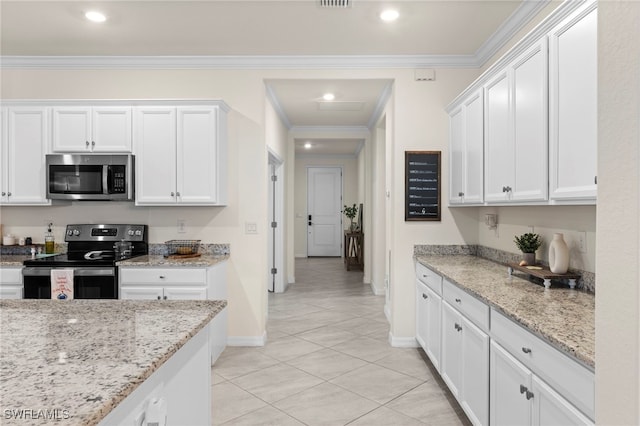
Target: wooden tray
[
  {"x": 544, "y": 273},
  {"x": 183, "y": 256}
]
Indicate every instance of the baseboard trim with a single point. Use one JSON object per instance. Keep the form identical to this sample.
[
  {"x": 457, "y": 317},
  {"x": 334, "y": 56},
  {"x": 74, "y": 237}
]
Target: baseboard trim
[
  {"x": 376, "y": 291},
  {"x": 403, "y": 342},
  {"x": 292, "y": 279},
  {"x": 247, "y": 340}
]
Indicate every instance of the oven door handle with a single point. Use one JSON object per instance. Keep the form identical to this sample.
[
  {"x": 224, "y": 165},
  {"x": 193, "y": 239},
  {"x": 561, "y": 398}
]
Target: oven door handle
[{"x": 78, "y": 272}]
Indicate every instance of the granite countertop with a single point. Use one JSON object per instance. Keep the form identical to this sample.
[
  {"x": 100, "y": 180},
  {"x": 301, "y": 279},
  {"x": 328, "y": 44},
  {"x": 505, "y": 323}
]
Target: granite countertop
[
  {"x": 8, "y": 260},
  {"x": 563, "y": 317},
  {"x": 86, "y": 356},
  {"x": 159, "y": 260}
]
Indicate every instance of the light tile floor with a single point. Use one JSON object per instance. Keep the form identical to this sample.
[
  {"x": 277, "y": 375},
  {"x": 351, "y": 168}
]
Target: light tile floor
[{"x": 327, "y": 361}]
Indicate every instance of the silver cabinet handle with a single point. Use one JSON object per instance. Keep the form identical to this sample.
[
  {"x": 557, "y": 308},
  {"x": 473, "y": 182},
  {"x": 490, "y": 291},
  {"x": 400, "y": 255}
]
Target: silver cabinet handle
[
  {"x": 9, "y": 193},
  {"x": 177, "y": 194},
  {"x": 165, "y": 298},
  {"x": 526, "y": 350},
  {"x": 458, "y": 301},
  {"x": 162, "y": 277},
  {"x": 4, "y": 193},
  {"x": 457, "y": 327},
  {"x": 172, "y": 194},
  {"x": 460, "y": 194},
  {"x": 595, "y": 180},
  {"x": 424, "y": 296},
  {"x": 158, "y": 297},
  {"x": 529, "y": 394},
  {"x": 523, "y": 389},
  {"x": 87, "y": 143},
  {"x": 93, "y": 143}
]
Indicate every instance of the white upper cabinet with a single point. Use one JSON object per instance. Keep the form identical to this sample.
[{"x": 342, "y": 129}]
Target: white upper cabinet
[
  {"x": 22, "y": 156},
  {"x": 83, "y": 129},
  {"x": 466, "y": 143},
  {"x": 516, "y": 129},
  {"x": 573, "y": 66},
  {"x": 180, "y": 155}
]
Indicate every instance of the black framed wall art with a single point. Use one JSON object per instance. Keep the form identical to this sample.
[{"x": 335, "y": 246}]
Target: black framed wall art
[{"x": 422, "y": 185}]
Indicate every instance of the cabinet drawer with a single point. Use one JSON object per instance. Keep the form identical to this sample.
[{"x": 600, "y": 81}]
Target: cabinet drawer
[
  {"x": 157, "y": 276},
  {"x": 474, "y": 309},
  {"x": 430, "y": 278},
  {"x": 11, "y": 276},
  {"x": 572, "y": 380}
]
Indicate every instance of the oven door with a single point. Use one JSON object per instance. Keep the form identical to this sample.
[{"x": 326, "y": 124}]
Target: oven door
[{"x": 88, "y": 282}]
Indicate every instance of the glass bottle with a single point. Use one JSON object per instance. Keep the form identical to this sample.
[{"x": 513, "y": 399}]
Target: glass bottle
[{"x": 49, "y": 241}]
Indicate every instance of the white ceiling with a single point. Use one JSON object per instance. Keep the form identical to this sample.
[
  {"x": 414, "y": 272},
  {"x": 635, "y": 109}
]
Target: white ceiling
[{"x": 428, "y": 31}]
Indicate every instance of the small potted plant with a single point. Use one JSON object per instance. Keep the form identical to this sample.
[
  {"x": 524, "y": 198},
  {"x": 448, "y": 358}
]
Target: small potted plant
[
  {"x": 528, "y": 244},
  {"x": 351, "y": 213}
]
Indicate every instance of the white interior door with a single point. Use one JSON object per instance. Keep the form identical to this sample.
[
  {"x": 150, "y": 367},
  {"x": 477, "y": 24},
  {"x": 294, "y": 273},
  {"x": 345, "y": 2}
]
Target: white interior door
[{"x": 324, "y": 211}]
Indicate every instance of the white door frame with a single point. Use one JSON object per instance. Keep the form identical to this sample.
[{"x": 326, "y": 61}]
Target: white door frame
[
  {"x": 306, "y": 216},
  {"x": 276, "y": 282}
]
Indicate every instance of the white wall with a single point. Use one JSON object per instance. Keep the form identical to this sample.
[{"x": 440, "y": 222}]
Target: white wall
[
  {"x": 349, "y": 166},
  {"x": 618, "y": 222}
]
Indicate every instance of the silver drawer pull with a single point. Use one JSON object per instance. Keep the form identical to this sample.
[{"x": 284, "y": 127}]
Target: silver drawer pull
[
  {"x": 424, "y": 296},
  {"x": 526, "y": 350},
  {"x": 458, "y": 301},
  {"x": 158, "y": 297},
  {"x": 523, "y": 389},
  {"x": 529, "y": 394},
  {"x": 165, "y": 298}
]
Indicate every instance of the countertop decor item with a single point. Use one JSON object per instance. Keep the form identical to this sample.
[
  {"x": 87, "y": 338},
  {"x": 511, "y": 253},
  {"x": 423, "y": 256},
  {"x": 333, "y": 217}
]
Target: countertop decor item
[
  {"x": 528, "y": 244},
  {"x": 351, "y": 213},
  {"x": 558, "y": 255}
]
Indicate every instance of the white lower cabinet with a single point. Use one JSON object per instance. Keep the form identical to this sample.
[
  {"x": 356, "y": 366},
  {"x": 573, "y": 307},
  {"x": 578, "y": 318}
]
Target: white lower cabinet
[
  {"x": 519, "y": 397},
  {"x": 181, "y": 283},
  {"x": 429, "y": 306},
  {"x": 465, "y": 363},
  {"x": 11, "y": 283}
]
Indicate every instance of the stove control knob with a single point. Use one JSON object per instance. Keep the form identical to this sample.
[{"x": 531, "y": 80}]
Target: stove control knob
[
  {"x": 76, "y": 232},
  {"x": 70, "y": 232},
  {"x": 138, "y": 233},
  {"x": 130, "y": 233}
]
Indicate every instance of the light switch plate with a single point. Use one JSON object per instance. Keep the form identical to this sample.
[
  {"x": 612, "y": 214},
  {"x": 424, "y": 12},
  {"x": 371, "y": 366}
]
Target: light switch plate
[{"x": 250, "y": 228}]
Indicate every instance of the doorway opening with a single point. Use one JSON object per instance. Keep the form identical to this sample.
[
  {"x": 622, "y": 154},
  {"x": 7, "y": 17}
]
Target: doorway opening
[{"x": 324, "y": 211}]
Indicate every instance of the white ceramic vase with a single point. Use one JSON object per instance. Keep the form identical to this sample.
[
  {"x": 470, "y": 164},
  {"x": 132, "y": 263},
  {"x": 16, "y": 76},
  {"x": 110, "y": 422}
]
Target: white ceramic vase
[{"x": 558, "y": 255}]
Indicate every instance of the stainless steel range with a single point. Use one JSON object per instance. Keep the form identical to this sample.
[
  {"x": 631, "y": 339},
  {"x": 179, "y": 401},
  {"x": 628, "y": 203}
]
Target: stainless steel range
[{"x": 92, "y": 253}]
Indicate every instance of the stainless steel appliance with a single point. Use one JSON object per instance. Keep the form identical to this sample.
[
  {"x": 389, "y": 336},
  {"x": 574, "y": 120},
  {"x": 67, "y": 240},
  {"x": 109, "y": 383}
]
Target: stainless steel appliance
[
  {"x": 92, "y": 253},
  {"x": 90, "y": 177}
]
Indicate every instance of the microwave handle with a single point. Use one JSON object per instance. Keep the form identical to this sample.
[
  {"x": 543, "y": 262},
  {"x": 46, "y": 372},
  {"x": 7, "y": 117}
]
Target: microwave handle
[{"x": 106, "y": 178}]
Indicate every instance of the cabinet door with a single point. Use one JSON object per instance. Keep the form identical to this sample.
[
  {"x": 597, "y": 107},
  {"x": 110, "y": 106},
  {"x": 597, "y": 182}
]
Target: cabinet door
[
  {"x": 530, "y": 114},
  {"x": 434, "y": 327},
  {"x": 10, "y": 292},
  {"x": 509, "y": 405},
  {"x": 72, "y": 129},
  {"x": 26, "y": 146},
  {"x": 451, "y": 349},
  {"x": 498, "y": 140},
  {"x": 573, "y": 64},
  {"x": 474, "y": 149},
  {"x": 456, "y": 159},
  {"x": 185, "y": 293},
  {"x": 422, "y": 317},
  {"x": 155, "y": 149},
  {"x": 4, "y": 174},
  {"x": 197, "y": 155},
  {"x": 549, "y": 408},
  {"x": 475, "y": 372},
  {"x": 141, "y": 293},
  {"x": 111, "y": 129}
]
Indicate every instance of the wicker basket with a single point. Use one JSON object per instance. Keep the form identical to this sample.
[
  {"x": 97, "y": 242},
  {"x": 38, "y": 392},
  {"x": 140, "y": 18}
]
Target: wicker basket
[{"x": 182, "y": 247}]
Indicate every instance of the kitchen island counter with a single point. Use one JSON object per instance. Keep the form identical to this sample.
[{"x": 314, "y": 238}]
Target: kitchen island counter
[
  {"x": 159, "y": 260},
  {"x": 77, "y": 360},
  {"x": 563, "y": 317}
]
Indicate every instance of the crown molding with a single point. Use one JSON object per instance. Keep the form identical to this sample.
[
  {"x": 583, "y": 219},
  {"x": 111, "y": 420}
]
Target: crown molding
[
  {"x": 518, "y": 19},
  {"x": 238, "y": 62}
]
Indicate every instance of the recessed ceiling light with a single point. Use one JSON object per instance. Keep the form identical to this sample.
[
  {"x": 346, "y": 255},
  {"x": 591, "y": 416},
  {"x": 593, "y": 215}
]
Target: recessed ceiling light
[
  {"x": 328, "y": 96},
  {"x": 307, "y": 145},
  {"x": 95, "y": 16},
  {"x": 389, "y": 15}
]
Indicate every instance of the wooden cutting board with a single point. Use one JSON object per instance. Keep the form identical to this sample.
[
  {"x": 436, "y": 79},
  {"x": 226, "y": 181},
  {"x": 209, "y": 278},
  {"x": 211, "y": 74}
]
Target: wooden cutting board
[{"x": 183, "y": 256}]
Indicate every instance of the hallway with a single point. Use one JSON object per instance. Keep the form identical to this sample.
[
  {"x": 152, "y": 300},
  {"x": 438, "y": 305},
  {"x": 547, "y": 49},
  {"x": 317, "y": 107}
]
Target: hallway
[{"x": 327, "y": 361}]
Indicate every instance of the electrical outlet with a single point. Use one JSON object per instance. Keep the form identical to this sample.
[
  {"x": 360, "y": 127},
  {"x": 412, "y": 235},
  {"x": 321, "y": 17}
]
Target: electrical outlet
[
  {"x": 250, "y": 228},
  {"x": 181, "y": 226},
  {"x": 582, "y": 241}
]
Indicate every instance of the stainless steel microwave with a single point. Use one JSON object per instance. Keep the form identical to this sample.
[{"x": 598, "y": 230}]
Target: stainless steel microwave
[{"x": 101, "y": 177}]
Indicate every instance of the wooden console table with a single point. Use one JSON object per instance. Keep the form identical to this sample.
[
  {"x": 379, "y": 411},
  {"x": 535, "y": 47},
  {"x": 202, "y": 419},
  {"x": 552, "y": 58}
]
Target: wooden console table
[{"x": 353, "y": 249}]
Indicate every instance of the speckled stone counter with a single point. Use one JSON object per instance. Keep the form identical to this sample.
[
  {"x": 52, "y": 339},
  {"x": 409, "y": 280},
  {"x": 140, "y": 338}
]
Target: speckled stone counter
[
  {"x": 86, "y": 356},
  {"x": 9, "y": 260},
  {"x": 158, "y": 260},
  {"x": 563, "y": 317}
]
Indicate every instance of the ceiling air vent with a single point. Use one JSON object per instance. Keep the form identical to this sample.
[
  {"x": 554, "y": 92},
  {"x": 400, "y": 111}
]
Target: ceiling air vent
[{"x": 335, "y": 3}]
